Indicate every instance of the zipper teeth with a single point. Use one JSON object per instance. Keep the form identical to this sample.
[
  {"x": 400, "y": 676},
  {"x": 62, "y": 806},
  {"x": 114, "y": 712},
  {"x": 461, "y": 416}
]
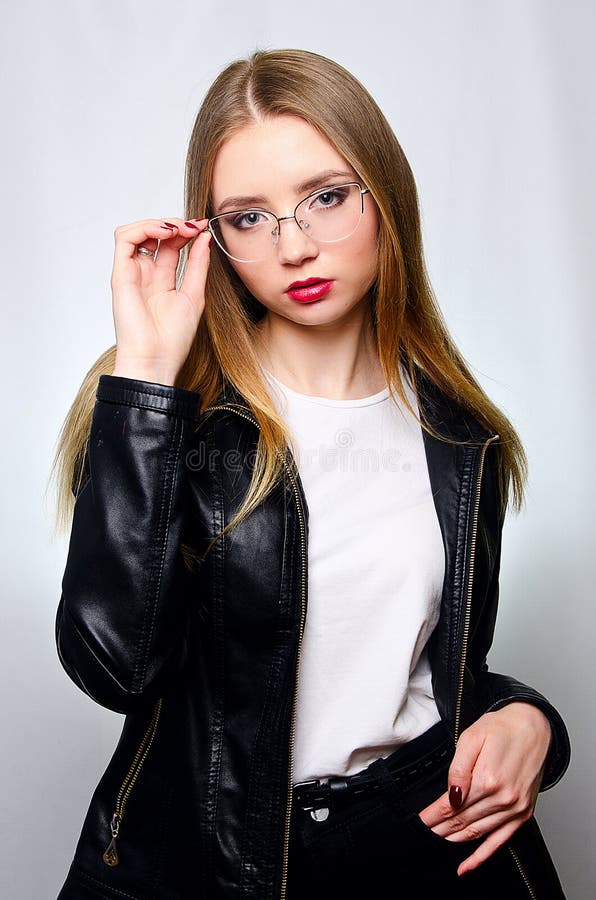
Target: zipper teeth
[
  {"x": 293, "y": 722},
  {"x": 137, "y": 763},
  {"x": 468, "y": 612},
  {"x": 295, "y": 491},
  {"x": 522, "y": 872}
]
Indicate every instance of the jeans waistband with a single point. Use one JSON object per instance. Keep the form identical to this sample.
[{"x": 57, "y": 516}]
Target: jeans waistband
[{"x": 406, "y": 764}]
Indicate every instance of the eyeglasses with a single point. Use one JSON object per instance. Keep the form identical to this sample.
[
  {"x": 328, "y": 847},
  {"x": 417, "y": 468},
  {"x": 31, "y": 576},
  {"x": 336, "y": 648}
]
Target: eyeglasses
[{"x": 328, "y": 215}]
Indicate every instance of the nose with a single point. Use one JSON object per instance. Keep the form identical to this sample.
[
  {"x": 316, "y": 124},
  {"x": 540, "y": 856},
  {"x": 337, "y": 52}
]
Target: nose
[{"x": 295, "y": 245}]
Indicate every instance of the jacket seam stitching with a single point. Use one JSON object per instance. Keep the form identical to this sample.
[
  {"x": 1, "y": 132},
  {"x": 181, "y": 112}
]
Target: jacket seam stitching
[
  {"x": 133, "y": 392},
  {"x": 169, "y": 392},
  {"x": 461, "y": 520},
  {"x": 174, "y": 456},
  {"x": 289, "y": 561},
  {"x": 175, "y": 409},
  {"x": 108, "y": 887},
  {"x": 216, "y": 749},
  {"x": 157, "y": 555},
  {"x": 251, "y": 815}
]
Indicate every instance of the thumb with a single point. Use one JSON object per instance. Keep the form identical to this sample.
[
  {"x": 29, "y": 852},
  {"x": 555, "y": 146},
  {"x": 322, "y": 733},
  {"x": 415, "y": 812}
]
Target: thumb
[{"x": 462, "y": 765}]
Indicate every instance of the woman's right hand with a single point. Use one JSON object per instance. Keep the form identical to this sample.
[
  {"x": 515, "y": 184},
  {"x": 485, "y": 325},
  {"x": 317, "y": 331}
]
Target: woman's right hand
[{"x": 156, "y": 324}]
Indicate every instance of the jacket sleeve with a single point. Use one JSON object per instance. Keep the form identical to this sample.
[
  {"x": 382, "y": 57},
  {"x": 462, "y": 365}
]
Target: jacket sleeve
[
  {"x": 122, "y": 618},
  {"x": 493, "y": 690}
]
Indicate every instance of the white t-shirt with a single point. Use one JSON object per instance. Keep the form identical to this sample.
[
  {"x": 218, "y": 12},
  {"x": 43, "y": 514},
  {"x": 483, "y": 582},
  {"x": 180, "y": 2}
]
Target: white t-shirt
[{"x": 375, "y": 576}]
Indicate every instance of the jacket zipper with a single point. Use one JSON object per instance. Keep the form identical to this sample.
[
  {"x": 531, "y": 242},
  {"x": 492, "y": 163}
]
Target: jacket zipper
[
  {"x": 293, "y": 722},
  {"x": 468, "y": 610},
  {"x": 296, "y": 493},
  {"x": 110, "y": 854},
  {"x": 522, "y": 872},
  {"x": 468, "y": 613}
]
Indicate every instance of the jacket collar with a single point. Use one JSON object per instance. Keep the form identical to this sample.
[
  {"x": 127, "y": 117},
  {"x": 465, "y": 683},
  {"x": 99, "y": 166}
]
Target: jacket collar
[{"x": 447, "y": 416}]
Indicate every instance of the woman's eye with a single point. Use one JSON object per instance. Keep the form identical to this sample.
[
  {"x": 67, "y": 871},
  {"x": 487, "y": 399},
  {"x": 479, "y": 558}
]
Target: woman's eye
[
  {"x": 327, "y": 199},
  {"x": 248, "y": 220}
]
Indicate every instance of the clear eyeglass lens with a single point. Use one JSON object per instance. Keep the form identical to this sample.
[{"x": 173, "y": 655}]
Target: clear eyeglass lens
[{"x": 331, "y": 214}]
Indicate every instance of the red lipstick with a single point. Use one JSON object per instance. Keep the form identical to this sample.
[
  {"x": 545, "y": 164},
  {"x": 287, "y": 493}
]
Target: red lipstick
[{"x": 309, "y": 290}]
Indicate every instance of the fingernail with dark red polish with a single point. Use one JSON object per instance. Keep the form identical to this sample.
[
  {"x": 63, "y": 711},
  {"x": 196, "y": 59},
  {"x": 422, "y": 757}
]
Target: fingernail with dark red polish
[
  {"x": 455, "y": 796},
  {"x": 191, "y": 225},
  {"x": 169, "y": 224}
]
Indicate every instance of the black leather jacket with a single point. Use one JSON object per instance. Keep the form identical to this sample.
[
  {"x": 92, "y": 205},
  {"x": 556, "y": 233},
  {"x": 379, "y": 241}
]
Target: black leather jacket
[{"x": 204, "y": 663}]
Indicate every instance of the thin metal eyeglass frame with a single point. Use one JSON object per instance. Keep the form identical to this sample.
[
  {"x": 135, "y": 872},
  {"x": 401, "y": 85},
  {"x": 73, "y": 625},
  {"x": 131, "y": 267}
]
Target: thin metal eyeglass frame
[{"x": 280, "y": 219}]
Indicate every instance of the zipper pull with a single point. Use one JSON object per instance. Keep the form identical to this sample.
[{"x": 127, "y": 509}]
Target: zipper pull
[{"x": 110, "y": 854}]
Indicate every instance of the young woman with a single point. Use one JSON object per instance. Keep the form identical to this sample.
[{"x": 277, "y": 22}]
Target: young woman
[{"x": 284, "y": 557}]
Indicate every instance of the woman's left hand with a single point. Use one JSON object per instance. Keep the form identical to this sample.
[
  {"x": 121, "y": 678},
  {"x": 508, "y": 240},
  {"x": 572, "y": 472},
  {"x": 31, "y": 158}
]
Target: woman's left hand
[{"x": 498, "y": 764}]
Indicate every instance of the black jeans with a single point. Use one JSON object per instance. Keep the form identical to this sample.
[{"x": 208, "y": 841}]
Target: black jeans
[{"x": 376, "y": 846}]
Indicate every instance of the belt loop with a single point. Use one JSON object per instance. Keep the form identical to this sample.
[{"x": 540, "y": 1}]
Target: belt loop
[{"x": 381, "y": 771}]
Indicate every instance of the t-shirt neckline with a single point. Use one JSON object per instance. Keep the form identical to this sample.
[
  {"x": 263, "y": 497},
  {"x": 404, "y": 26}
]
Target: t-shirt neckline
[{"x": 381, "y": 395}]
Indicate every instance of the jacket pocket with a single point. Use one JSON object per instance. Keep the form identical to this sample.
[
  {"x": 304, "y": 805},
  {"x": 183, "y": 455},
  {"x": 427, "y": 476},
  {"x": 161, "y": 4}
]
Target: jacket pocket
[{"x": 110, "y": 854}]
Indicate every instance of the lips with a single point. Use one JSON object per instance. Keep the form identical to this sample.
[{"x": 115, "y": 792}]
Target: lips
[
  {"x": 300, "y": 284},
  {"x": 310, "y": 290}
]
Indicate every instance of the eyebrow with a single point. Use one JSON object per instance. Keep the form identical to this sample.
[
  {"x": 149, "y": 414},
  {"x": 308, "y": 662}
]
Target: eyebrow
[{"x": 311, "y": 184}]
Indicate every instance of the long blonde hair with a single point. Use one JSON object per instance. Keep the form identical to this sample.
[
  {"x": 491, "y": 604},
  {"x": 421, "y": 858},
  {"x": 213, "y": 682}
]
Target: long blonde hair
[{"x": 406, "y": 318}]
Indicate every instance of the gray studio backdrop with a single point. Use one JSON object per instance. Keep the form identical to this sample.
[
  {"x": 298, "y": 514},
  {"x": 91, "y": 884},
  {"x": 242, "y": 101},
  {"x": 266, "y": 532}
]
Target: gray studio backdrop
[{"x": 492, "y": 103}]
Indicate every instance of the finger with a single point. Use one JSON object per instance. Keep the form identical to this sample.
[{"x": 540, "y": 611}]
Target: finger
[
  {"x": 463, "y": 826},
  {"x": 459, "y": 779},
  {"x": 502, "y": 804},
  {"x": 437, "y": 811},
  {"x": 470, "y": 829},
  {"x": 195, "y": 273},
  {"x": 147, "y": 232},
  {"x": 167, "y": 262},
  {"x": 184, "y": 231},
  {"x": 163, "y": 275},
  {"x": 173, "y": 233},
  {"x": 486, "y": 849}
]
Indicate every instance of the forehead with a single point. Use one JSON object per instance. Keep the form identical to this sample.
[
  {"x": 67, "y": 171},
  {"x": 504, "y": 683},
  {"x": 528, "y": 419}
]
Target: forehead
[{"x": 271, "y": 157}]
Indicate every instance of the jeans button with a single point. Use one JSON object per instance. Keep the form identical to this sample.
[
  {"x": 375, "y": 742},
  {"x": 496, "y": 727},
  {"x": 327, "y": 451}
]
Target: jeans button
[{"x": 319, "y": 815}]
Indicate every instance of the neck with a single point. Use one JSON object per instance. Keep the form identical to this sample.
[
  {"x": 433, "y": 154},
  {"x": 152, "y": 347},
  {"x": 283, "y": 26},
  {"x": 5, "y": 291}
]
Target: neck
[{"x": 337, "y": 360}]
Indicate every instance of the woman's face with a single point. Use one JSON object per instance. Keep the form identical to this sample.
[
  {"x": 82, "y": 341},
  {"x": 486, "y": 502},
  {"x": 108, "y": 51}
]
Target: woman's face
[{"x": 269, "y": 160}]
